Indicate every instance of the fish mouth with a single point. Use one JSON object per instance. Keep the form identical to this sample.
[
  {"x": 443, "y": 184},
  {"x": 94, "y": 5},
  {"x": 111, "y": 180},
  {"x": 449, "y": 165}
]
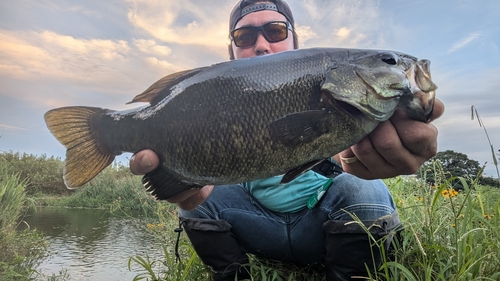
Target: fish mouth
[
  {"x": 353, "y": 110},
  {"x": 362, "y": 119},
  {"x": 419, "y": 105},
  {"x": 329, "y": 101},
  {"x": 350, "y": 109}
]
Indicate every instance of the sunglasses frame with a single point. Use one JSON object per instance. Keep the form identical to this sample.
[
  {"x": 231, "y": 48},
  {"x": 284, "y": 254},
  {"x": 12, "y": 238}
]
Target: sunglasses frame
[{"x": 261, "y": 29}]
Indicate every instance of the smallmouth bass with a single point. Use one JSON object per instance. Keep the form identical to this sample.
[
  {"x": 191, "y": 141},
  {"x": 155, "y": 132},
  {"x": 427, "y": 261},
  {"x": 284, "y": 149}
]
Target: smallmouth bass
[{"x": 247, "y": 119}]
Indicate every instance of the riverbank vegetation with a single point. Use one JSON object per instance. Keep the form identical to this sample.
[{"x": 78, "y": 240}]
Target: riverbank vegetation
[
  {"x": 20, "y": 251},
  {"x": 450, "y": 233}
]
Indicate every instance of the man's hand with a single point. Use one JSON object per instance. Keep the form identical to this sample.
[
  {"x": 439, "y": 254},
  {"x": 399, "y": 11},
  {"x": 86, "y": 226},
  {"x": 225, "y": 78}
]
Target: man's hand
[
  {"x": 398, "y": 146},
  {"x": 146, "y": 161}
]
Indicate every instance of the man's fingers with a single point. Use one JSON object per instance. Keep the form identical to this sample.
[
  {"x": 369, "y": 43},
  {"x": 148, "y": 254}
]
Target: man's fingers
[
  {"x": 195, "y": 199},
  {"x": 144, "y": 162}
]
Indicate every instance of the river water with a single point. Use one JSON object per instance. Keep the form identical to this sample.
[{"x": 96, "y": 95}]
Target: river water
[{"x": 92, "y": 244}]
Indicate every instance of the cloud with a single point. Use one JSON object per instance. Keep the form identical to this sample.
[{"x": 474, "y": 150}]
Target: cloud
[
  {"x": 151, "y": 47},
  {"x": 98, "y": 63},
  {"x": 86, "y": 11},
  {"x": 343, "y": 32},
  {"x": 29, "y": 54},
  {"x": 464, "y": 42},
  {"x": 182, "y": 22},
  {"x": 154, "y": 62},
  {"x": 312, "y": 9},
  {"x": 49, "y": 69},
  {"x": 345, "y": 23},
  {"x": 11, "y": 128},
  {"x": 305, "y": 33}
]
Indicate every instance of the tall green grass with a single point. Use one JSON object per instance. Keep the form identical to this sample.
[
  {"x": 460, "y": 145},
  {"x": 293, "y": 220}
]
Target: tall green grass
[
  {"x": 481, "y": 124},
  {"x": 449, "y": 235},
  {"x": 188, "y": 268},
  {"x": 20, "y": 251}
]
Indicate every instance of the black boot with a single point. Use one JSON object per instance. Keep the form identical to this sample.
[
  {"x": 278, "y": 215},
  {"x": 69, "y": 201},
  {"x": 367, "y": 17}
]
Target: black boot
[
  {"x": 350, "y": 250},
  {"x": 217, "y": 247}
]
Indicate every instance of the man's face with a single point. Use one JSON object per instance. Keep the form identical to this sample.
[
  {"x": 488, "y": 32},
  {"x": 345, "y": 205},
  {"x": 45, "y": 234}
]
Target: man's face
[{"x": 262, "y": 46}]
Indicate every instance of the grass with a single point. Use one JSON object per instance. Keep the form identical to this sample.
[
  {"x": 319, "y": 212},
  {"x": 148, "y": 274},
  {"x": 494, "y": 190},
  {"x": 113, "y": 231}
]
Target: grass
[
  {"x": 20, "y": 251},
  {"x": 449, "y": 235}
]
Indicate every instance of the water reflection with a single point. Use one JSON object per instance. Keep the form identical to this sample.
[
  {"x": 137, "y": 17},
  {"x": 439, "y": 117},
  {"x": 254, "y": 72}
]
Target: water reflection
[{"x": 91, "y": 244}]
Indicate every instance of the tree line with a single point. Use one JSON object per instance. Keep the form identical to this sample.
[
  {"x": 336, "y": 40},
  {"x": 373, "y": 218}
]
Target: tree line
[{"x": 455, "y": 164}]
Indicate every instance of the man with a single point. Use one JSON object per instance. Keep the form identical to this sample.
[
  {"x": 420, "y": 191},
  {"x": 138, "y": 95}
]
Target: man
[{"x": 272, "y": 220}]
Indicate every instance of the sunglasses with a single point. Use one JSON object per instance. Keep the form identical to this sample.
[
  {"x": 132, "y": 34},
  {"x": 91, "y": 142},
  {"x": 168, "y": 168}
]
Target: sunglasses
[{"x": 275, "y": 31}]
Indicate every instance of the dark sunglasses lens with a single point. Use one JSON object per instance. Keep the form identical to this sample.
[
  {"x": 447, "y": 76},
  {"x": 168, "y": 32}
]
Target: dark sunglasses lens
[
  {"x": 245, "y": 36},
  {"x": 275, "y": 31}
]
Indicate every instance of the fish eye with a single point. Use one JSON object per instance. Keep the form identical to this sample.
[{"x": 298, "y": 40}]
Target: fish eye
[{"x": 389, "y": 59}]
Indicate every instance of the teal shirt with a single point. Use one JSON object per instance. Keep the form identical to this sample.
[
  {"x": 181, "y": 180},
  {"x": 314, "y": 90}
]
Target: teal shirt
[{"x": 286, "y": 198}]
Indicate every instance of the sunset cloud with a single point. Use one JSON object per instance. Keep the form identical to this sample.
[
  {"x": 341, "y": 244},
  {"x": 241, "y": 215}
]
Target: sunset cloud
[
  {"x": 48, "y": 54},
  {"x": 151, "y": 47},
  {"x": 182, "y": 22}
]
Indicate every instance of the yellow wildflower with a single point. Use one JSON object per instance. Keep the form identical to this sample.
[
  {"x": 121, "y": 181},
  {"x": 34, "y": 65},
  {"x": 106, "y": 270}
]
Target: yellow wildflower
[
  {"x": 449, "y": 193},
  {"x": 150, "y": 225},
  {"x": 486, "y": 216},
  {"x": 445, "y": 193},
  {"x": 453, "y": 192}
]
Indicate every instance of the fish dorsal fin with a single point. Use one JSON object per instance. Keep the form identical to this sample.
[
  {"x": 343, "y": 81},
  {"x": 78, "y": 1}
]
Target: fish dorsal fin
[{"x": 161, "y": 88}]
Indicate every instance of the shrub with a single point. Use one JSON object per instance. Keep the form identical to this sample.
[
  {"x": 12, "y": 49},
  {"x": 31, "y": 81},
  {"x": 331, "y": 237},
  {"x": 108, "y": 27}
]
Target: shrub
[{"x": 42, "y": 174}]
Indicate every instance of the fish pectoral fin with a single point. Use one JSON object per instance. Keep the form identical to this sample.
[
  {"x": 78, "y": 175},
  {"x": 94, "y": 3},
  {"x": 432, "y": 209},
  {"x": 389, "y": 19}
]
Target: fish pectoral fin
[
  {"x": 161, "y": 88},
  {"x": 298, "y": 128},
  {"x": 85, "y": 155},
  {"x": 294, "y": 173},
  {"x": 162, "y": 185}
]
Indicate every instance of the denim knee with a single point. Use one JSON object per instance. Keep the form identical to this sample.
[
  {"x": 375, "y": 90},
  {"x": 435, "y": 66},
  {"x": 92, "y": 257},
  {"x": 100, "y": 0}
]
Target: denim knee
[
  {"x": 350, "y": 195},
  {"x": 222, "y": 199}
]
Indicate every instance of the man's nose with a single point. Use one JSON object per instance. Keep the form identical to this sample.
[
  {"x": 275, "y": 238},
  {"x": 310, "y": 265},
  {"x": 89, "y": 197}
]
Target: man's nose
[{"x": 261, "y": 45}]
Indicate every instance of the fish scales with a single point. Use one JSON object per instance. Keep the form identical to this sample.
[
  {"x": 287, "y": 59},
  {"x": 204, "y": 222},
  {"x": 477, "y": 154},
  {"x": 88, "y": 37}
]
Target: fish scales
[
  {"x": 221, "y": 121},
  {"x": 252, "y": 118}
]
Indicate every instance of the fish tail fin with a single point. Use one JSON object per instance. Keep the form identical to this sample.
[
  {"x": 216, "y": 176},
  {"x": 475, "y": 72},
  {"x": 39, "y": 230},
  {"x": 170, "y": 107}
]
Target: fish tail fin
[{"x": 85, "y": 155}]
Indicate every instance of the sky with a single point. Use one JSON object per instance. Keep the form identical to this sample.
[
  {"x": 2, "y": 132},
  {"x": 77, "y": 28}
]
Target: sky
[{"x": 57, "y": 53}]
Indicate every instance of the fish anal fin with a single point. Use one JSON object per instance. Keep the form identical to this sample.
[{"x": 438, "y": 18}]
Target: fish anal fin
[
  {"x": 85, "y": 156},
  {"x": 162, "y": 185},
  {"x": 160, "y": 89},
  {"x": 294, "y": 173}
]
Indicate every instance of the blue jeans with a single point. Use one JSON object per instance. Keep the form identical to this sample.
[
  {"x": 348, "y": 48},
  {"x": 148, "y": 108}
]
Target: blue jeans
[{"x": 293, "y": 237}]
